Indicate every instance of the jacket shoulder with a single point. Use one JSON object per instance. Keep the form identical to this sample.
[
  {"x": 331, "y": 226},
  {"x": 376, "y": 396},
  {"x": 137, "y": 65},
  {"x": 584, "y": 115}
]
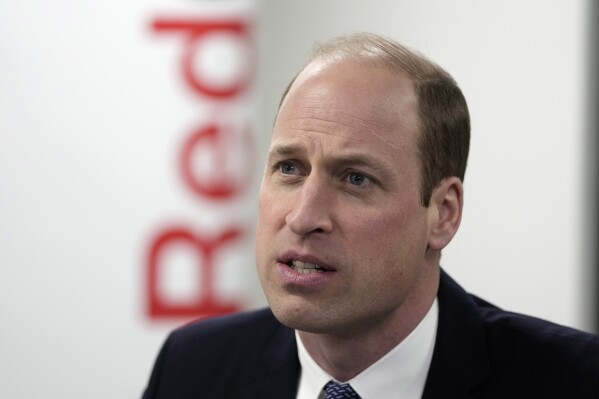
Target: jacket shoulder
[
  {"x": 221, "y": 357},
  {"x": 526, "y": 351},
  {"x": 236, "y": 338},
  {"x": 245, "y": 326},
  {"x": 482, "y": 351},
  {"x": 528, "y": 334}
]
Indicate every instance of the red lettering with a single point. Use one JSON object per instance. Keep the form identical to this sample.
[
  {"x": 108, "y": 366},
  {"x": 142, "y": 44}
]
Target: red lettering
[
  {"x": 217, "y": 159},
  {"x": 230, "y": 171},
  {"x": 196, "y": 30},
  {"x": 207, "y": 304}
]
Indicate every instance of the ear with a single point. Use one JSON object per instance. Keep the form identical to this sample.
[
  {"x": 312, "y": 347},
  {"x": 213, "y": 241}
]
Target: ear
[{"x": 445, "y": 212}]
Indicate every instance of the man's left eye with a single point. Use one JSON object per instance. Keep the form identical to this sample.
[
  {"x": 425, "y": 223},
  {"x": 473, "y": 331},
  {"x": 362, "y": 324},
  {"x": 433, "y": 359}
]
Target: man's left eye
[{"x": 356, "y": 179}]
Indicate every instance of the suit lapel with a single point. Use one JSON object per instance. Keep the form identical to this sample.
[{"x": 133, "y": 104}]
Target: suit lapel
[{"x": 460, "y": 360}]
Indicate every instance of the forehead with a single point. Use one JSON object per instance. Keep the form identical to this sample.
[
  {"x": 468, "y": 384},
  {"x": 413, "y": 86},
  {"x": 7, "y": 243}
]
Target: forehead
[{"x": 349, "y": 101}]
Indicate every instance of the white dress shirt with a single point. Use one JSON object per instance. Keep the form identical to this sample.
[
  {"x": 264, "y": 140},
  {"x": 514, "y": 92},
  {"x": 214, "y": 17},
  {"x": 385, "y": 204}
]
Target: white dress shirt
[{"x": 401, "y": 373}]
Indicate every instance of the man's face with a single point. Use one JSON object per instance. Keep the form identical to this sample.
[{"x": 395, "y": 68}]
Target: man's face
[{"x": 342, "y": 235}]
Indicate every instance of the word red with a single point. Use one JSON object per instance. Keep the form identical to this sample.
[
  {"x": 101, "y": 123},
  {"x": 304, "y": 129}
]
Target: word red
[{"x": 218, "y": 184}]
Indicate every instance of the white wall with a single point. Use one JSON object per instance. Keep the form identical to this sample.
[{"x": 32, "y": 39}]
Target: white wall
[{"x": 92, "y": 113}]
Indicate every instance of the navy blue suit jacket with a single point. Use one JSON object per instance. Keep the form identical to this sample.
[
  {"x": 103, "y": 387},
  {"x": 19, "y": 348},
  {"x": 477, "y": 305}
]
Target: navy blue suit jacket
[{"x": 480, "y": 352}]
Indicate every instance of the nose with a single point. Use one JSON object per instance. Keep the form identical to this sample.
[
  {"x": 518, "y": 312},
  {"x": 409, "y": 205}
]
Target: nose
[{"x": 312, "y": 207}]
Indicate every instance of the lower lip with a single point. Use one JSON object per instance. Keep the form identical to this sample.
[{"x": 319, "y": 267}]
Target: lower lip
[{"x": 291, "y": 277}]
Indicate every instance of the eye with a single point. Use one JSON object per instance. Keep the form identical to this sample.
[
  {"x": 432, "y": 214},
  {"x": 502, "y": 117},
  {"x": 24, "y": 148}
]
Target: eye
[
  {"x": 357, "y": 179},
  {"x": 287, "y": 168}
]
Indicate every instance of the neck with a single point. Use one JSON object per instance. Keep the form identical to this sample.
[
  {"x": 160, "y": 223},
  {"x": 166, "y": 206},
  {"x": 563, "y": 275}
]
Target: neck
[{"x": 344, "y": 355}]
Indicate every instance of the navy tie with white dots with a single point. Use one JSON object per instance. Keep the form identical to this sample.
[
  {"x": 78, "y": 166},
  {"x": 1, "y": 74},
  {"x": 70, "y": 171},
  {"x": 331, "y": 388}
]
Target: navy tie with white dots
[{"x": 340, "y": 391}]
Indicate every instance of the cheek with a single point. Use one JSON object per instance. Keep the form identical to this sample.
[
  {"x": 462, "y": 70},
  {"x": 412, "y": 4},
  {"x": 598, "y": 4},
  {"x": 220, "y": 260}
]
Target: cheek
[
  {"x": 262, "y": 225},
  {"x": 390, "y": 238},
  {"x": 271, "y": 218},
  {"x": 377, "y": 225},
  {"x": 271, "y": 209},
  {"x": 387, "y": 256}
]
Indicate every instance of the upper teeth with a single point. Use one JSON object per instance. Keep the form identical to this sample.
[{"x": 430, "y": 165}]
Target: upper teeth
[{"x": 305, "y": 267}]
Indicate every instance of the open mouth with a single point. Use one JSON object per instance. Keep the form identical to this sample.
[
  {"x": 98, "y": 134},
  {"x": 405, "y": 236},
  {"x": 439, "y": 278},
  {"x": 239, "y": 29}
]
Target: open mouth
[{"x": 305, "y": 267}]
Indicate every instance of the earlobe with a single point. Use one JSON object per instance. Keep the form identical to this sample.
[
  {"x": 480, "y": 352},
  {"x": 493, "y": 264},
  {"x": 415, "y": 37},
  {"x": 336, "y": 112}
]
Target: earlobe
[{"x": 446, "y": 212}]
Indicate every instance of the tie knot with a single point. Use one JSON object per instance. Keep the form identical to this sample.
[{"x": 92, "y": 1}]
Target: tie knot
[{"x": 335, "y": 390}]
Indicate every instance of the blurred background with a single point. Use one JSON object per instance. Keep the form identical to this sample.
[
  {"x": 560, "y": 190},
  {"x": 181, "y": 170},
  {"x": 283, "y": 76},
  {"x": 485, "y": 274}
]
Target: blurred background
[{"x": 132, "y": 139}]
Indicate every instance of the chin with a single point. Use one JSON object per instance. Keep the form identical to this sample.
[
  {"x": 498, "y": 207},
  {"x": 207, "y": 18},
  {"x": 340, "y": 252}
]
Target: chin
[
  {"x": 310, "y": 326},
  {"x": 304, "y": 319},
  {"x": 293, "y": 315}
]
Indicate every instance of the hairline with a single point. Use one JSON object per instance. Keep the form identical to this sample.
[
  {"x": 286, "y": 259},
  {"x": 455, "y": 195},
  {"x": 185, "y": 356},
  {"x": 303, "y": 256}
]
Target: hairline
[{"x": 405, "y": 63}]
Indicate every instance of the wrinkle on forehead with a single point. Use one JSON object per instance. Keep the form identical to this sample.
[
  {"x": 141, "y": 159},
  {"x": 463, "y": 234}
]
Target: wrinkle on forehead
[
  {"x": 354, "y": 102},
  {"x": 356, "y": 125}
]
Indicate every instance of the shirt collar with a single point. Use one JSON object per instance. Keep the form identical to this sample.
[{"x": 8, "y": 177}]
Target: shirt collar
[{"x": 400, "y": 373}]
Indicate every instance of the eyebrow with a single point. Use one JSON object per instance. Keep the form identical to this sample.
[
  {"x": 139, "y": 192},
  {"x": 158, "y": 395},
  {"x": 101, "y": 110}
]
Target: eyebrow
[
  {"x": 284, "y": 150},
  {"x": 351, "y": 158}
]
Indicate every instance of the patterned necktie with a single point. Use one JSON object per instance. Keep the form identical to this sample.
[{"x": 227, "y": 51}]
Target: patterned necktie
[{"x": 340, "y": 391}]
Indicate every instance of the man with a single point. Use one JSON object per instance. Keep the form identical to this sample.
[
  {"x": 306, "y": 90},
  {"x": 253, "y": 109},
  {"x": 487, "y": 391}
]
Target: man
[{"x": 362, "y": 190}]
